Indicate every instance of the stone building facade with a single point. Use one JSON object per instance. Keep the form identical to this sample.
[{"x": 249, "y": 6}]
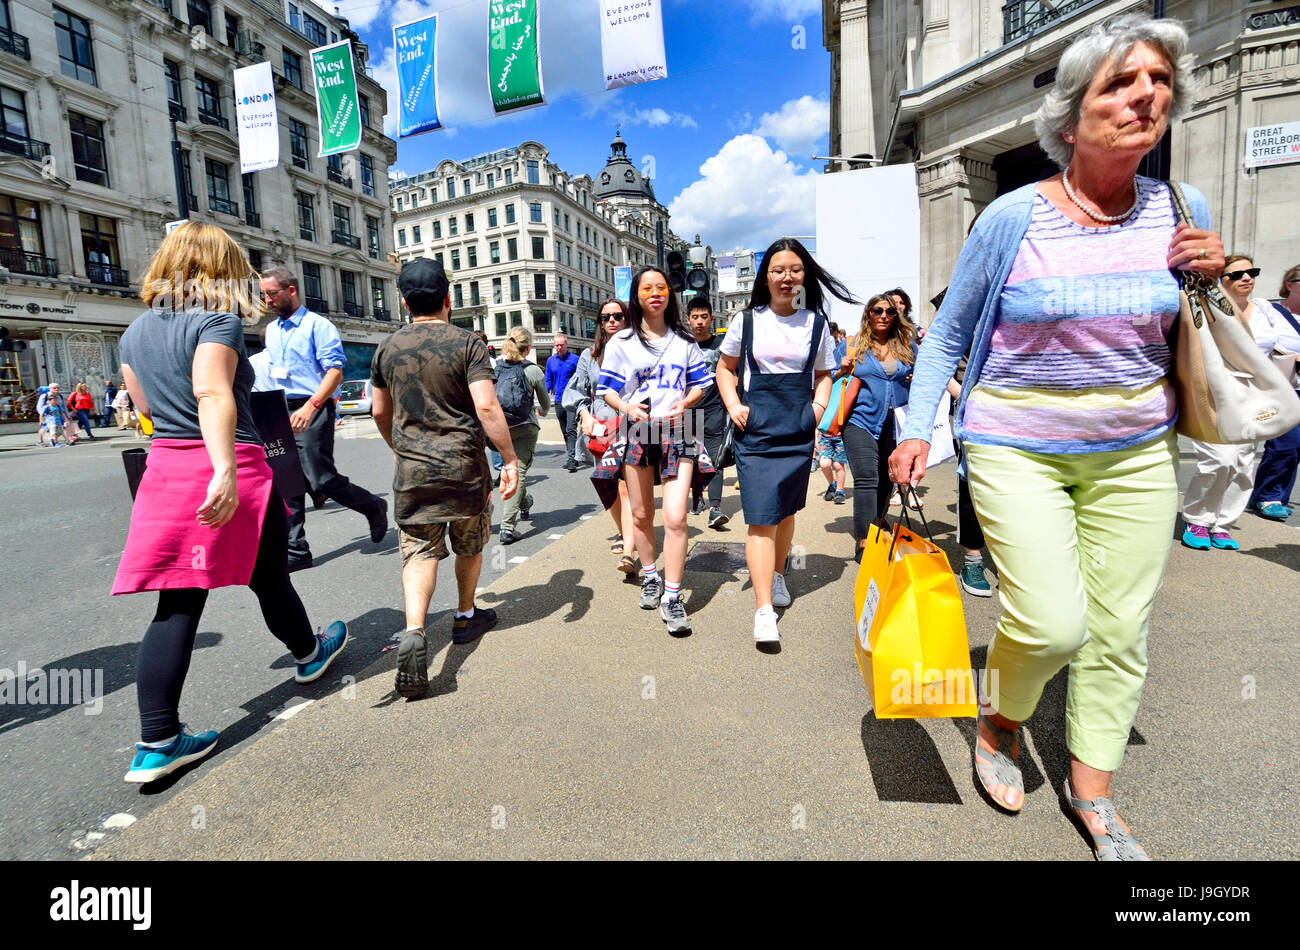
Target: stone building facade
[
  {"x": 98, "y": 99},
  {"x": 953, "y": 85}
]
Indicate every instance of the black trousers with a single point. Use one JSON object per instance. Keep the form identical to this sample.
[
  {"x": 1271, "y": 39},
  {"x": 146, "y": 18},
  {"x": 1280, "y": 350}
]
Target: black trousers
[
  {"x": 316, "y": 449},
  {"x": 714, "y": 425},
  {"x": 969, "y": 533},
  {"x": 165, "y": 650},
  {"x": 869, "y": 465},
  {"x": 569, "y": 424}
]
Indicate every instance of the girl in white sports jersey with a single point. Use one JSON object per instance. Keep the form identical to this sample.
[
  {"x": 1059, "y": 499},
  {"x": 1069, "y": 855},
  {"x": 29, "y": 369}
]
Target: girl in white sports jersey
[{"x": 651, "y": 374}]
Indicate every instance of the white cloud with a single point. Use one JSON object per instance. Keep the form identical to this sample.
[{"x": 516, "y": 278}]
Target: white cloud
[
  {"x": 787, "y": 10},
  {"x": 656, "y": 117},
  {"x": 747, "y": 196},
  {"x": 360, "y": 14},
  {"x": 799, "y": 124}
]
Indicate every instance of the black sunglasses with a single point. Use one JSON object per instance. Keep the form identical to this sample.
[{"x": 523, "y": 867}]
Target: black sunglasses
[
  {"x": 1238, "y": 274},
  {"x": 881, "y": 311},
  {"x": 612, "y": 316}
]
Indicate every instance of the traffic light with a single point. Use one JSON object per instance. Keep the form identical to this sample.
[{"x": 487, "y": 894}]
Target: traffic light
[
  {"x": 676, "y": 271},
  {"x": 697, "y": 279}
]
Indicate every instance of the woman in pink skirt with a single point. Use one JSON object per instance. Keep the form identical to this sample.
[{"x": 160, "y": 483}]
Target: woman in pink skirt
[{"x": 206, "y": 514}]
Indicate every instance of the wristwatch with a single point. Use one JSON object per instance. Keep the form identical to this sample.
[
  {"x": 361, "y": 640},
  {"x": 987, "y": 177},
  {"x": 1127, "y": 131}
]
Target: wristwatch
[{"x": 314, "y": 402}]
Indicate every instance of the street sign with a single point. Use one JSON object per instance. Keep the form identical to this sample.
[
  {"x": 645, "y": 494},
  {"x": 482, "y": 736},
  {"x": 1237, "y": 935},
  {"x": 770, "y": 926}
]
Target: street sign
[
  {"x": 1273, "y": 145},
  {"x": 173, "y": 225}
]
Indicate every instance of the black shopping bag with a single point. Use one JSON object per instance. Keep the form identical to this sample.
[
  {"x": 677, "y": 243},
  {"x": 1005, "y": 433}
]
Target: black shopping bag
[
  {"x": 271, "y": 415},
  {"x": 135, "y": 461}
]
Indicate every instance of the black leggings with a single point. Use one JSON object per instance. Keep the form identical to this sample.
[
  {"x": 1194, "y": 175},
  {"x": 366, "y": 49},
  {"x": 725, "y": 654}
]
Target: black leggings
[
  {"x": 169, "y": 641},
  {"x": 869, "y": 464}
]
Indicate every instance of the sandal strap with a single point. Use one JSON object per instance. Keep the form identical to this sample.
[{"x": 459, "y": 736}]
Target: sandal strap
[
  {"x": 1000, "y": 767},
  {"x": 1116, "y": 844}
]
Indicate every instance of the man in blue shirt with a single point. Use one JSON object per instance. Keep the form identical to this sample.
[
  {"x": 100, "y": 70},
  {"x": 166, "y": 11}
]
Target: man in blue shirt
[
  {"x": 305, "y": 356},
  {"x": 559, "y": 370}
]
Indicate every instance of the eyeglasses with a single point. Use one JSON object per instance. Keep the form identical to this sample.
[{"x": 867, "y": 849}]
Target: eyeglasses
[
  {"x": 881, "y": 311},
  {"x": 786, "y": 272},
  {"x": 1238, "y": 274},
  {"x": 616, "y": 317}
]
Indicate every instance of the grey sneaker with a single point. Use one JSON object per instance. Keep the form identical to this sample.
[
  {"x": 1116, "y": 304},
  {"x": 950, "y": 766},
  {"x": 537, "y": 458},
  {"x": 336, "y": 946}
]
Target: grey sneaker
[
  {"x": 780, "y": 593},
  {"x": 673, "y": 613},
  {"x": 716, "y": 518},
  {"x": 412, "y": 665},
  {"x": 652, "y": 588}
]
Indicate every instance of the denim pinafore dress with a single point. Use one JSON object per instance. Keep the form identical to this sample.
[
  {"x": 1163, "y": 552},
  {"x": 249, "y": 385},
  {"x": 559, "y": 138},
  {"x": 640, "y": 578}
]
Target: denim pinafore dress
[{"x": 774, "y": 451}]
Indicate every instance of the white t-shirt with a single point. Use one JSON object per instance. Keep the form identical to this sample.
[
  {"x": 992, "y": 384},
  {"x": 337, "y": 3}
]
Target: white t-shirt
[
  {"x": 1264, "y": 322},
  {"x": 662, "y": 371},
  {"x": 781, "y": 343},
  {"x": 1287, "y": 338}
]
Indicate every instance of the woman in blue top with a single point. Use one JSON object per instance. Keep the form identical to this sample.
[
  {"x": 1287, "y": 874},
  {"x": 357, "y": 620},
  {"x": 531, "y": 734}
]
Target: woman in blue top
[{"x": 885, "y": 351}]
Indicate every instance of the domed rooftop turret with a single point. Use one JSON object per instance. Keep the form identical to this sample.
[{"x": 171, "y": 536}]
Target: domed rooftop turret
[{"x": 620, "y": 178}]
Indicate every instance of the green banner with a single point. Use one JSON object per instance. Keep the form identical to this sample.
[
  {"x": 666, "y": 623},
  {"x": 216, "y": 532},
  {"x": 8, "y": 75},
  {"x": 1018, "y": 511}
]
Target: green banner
[
  {"x": 514, "y": 55},
  {"x": 337, "y": 111}
]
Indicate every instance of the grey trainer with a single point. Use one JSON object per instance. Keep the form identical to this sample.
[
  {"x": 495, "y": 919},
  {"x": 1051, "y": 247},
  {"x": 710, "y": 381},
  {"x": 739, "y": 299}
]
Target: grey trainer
[
  {"x": 652, "y": 589},
  {"x": 673, "y": 613}
]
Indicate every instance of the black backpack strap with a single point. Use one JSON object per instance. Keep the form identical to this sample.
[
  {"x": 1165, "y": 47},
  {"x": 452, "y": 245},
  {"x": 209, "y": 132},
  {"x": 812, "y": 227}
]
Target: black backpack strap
[
  {"x": 746, "y": 350},
  {"x": 818, "y": 325}
]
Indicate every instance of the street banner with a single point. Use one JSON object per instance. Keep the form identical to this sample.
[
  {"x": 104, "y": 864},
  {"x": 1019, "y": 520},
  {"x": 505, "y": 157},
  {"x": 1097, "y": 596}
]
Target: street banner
[
  {"x": 1273, "y": 145},
  {"x": 337, "y": 111},
  {"x": 256, "y": 119},
  {"x": 632, "y": 42},
  {"x": 417, "y": 76},
  {"x": 514, "y": 55},
  {"x": 758, "y": 260},
  {"x": 623, "y": 283},
  {"x": 727, "y": 275}
]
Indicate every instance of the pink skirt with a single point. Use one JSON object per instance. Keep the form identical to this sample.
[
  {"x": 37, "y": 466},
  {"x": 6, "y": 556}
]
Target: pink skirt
[{"x": 167, "y": 548}]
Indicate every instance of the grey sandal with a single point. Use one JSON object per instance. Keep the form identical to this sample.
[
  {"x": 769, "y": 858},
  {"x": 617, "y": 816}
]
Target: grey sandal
[
  {"x": 999, "y": 768},
  {"x": 1117, "y": 844}
]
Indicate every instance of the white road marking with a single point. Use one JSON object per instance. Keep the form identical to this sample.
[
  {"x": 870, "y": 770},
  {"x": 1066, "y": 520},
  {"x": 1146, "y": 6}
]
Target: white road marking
[
  {"x": 120, "y": 820},
  {"x": 517, "y": 560},
  {"x": 549, "y": 443},
  {"x": 290, "y": 711},
  {"x": 587, "y": 517},
  {"x": 554, "y": 537}
]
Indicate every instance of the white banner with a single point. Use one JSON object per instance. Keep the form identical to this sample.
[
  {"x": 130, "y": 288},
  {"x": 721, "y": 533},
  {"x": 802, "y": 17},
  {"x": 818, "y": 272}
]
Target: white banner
[
  {"x": 632, "y": 42},
  {"x": 727, "y": 275},
  {"x": 256, "y": 119}
]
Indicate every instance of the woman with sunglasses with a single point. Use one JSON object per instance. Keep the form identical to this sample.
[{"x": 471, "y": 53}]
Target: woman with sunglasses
[
  {"x": 653, "y": 373},
  {"x": 1275, "y": 479},
  {"x": 1225, "y": 474},
  {"x": 580, "y": 397},
  {"x": 775, "y": 402},
  {"x": 886, "y": 351}
]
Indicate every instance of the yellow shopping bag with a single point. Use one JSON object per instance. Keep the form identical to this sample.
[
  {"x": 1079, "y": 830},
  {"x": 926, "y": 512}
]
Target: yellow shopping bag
[{"x": 911, "y": 630}]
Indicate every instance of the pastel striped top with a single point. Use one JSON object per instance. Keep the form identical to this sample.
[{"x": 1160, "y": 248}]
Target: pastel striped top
[{"x": 1078, "y": 358}]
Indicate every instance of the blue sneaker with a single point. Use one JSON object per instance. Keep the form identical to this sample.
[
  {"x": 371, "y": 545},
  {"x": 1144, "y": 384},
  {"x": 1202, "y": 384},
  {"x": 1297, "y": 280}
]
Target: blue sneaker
[
  {"x": 1273, "y": 510},
  {"x": 1197, "y": 537},
  {"x": 332, "y": 642},
  {"x": 973, "y": 580},
  {"x": 149, "y": 765}
]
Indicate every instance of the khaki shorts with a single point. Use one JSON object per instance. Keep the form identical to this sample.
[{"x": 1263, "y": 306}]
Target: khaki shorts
[{"x": 428, "y": 542}]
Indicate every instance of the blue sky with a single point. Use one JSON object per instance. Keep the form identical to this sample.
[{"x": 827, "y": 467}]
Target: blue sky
[{"x": 727, "y": 137}]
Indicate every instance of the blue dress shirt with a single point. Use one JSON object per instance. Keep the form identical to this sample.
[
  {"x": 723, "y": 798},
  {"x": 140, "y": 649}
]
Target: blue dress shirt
[
  {"x": 305, "y": 346},
  {"x": 559, "y": 371}
]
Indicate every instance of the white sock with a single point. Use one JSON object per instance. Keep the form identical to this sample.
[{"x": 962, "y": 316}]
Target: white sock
[
  {"x": 672, "y": 591},
  {"x": 161, "y": 745},
  {"x": 314, "y": 653},
  {"x": 769, "y": 610},
  {"x": 466, "y": 616},
  {"x": 651, "y": 572},
  {"x": 419, "y": 630}
]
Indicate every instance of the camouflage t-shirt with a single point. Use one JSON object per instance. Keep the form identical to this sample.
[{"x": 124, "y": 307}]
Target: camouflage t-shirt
[{"x": 441, "y": 472}]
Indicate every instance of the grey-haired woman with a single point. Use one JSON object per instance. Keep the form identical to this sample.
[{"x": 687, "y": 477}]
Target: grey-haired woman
[{"x": 1064, "y": 294}]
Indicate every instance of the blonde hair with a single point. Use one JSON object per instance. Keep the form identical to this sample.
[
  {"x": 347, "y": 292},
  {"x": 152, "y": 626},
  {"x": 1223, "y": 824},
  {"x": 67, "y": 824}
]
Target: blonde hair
[
  {"x": 82, "y": 388},
  {"x": 517, "y": 340},
  {"x": 1290, "y": 277},
  {"x": 901, "y": 333},
  {"x": 200, "y": 267}
]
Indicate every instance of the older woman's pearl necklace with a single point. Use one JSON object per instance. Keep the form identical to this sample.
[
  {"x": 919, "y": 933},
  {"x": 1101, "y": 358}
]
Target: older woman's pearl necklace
[{"x": 1109, "y": 218}]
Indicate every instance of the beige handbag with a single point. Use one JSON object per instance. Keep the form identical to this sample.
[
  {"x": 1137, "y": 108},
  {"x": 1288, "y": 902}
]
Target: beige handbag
[{"x": 1228, "y": 390}]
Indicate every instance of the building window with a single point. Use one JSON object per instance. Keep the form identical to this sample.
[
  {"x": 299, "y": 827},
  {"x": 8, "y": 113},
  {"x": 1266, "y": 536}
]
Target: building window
[
  {"x": 209, "y": 101},
  {"x": 566, "y": 222},
  {"x": 175, "y": 94},
  {"x": 348, "y": 284},
  {"x": 415, "y": 200},
  {"x": 232, "y": 28},
  {"x": 433, "y": 193},
  {"x": 469, "y": 223},
  {"x": 22, "y": 245},
  {"x": 458, "y": 297},
  {"x": 466, "y": 184},
  {"x": 453, "y": 225},
  {"x": 455, "y": 259},
  {"x": 298, "y": 144},
  {"x": 401, "y": 237},
  {"x": 496, "y": 291},
  {"x": 451, "y": 188},
  {"x": 568, "y": 258},
  {"x": 556, "y": 212},
  {"x": 343, "y": 221},
  {"x": 494, "y": 252},
  {"x": 372, "y": 236},
  {"x": 510, "y": 214},
  {"x": 542, "y": 321},
  {"x": 306, "y": 217},
  {"x": 76, "y": 54},
  {"x": 512, "y": 249},
  {"x": 492, "y": 217},
  {"x": 88, "y": 152},
  {"x": 312, "y": 288},
  {"x": 510, "y": 178},
  {"x": 200, "y": 13},
  {"x": 313, "y": 29},
  {"x": 187, "y": 179},
  {"x": 415, "y": 234},
  {"x": 399, "y": 202},
  {"x": 218, "y": 178},
  {"x": 539, "y": 286},
  {"x": 377, "y": 299},
  {"x": 516, "y": 318},
  {"x": 492, "y": 181},
  {"x": 437, "y": 230},
  {"x": 255, "y": 259},
  {"x": 473, "y": 255},
  {"x": 535, "y": 212},
  {"x": 367, "y": 175},
  {"x": 293, "y": 68},
  {"x": 534, "y": 177},
  {"x": 501, "y": 324},
  {"x": 99, "y": 244},
  {"x": 514, "y": 287},
  {"x": 364, "y": 103},
  {"x": 539, "y": 248},
  {"x": 559, "y": 253},
  {"x": 473, "y": 294}
]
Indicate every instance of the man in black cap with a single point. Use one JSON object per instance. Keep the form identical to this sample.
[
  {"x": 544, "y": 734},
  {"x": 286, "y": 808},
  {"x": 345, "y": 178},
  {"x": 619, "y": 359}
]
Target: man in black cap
[{"x": 434, "y": 399}]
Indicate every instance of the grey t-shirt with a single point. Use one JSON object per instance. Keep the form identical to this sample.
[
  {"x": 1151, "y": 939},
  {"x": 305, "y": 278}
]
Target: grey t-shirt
[{"x": 159, "y": 347}]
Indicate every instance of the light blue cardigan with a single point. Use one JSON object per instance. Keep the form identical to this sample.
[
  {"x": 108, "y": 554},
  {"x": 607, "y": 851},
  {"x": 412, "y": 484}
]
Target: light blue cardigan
[{"x": 971, "y": 307}]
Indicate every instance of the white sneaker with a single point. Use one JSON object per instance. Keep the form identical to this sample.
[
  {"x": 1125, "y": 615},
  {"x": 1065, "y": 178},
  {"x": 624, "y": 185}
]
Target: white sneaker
[
  {"x": 780, "y": 593},
  {"x": 765, "y": 626}
]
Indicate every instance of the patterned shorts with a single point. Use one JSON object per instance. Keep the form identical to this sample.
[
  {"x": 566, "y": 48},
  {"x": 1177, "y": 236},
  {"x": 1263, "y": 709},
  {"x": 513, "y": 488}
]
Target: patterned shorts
[
  {"x": 831, "y": 447},
  {"x": 428, "y": 542}
]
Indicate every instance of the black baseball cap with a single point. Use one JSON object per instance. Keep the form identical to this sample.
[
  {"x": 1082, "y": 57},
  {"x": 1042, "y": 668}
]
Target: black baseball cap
[{"x": 423, "y": 284}]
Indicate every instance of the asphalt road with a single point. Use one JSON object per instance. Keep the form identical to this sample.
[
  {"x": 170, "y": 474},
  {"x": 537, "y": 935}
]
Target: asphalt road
[{"x": 66, "y": 513}]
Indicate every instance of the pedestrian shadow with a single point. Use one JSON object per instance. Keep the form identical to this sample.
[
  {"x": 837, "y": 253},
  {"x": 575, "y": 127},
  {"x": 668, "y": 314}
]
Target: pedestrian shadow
[
  {"x": 905, "y": 763},
  {"x": 111, "y": 668},
  {"x": 562, "y": 589},
  {"x": 544, "y": 521},
  {"x": 1287, "y": 555},
  {"x": 360, "y": 545}
]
